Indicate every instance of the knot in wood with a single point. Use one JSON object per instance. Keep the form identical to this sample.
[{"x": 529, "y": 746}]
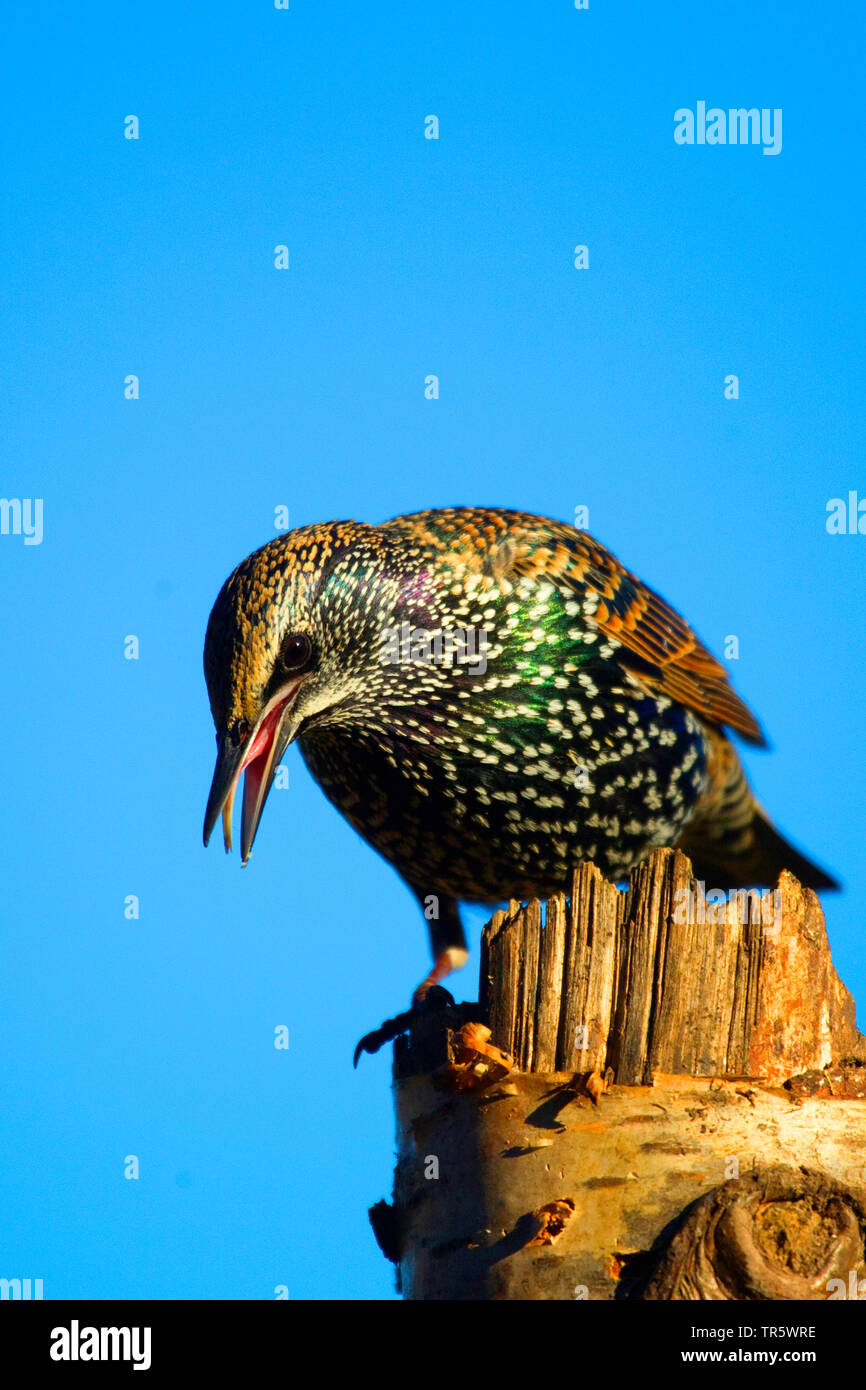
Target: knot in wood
[{"x": 780, "y": 1233}]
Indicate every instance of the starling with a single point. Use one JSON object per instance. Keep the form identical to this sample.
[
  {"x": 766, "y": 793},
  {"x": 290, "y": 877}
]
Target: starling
[{"x": 489, "y": 698}]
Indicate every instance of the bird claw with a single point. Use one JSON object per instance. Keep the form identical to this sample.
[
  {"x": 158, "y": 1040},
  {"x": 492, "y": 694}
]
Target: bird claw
[{"x": 433, "y": 1002}]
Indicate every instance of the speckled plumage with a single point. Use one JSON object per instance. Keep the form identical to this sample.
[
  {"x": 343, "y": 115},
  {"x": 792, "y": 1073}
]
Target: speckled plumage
[{"x": 594, "y": 731}]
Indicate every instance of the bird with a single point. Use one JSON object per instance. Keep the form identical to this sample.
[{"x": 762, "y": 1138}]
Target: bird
[{"x": 490, "y": 698}]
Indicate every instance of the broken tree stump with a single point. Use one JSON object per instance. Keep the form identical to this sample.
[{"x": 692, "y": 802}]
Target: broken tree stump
[{"x": 659, "y": 1095}]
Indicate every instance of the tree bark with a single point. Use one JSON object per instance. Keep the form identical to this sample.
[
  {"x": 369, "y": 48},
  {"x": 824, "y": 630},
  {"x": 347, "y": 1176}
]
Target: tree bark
[{"x": 653, "y": 1099}]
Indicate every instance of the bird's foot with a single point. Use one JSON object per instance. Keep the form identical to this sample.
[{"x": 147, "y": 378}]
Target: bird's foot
[{"x": 434, "y": 999}]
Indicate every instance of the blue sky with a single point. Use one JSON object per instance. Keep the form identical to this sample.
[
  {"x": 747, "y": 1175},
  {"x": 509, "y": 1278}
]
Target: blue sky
[{"x": 304, "y": 388}]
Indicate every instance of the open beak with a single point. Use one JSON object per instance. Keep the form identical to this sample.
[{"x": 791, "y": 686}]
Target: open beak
[{"x": 258, "y": 758}]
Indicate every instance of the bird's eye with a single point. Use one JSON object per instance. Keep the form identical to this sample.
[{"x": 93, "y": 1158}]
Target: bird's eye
[
  {"x": 238, "y": 732},
  {"x": 296, "y": 651}
]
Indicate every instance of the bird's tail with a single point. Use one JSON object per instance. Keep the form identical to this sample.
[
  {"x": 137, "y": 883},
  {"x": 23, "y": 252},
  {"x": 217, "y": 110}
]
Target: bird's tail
[{"x": 730, "y": 840}]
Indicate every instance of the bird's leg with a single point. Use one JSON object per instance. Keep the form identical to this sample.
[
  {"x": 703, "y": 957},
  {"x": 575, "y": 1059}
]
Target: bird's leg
[
  {"x": 448, "y": 944},
  {"x": 447, "y": 940},
  {"x": 452, "y": 958}
]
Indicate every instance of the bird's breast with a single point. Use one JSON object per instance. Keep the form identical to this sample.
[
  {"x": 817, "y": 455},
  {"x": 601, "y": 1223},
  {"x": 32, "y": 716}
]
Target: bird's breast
[{"x": 489, "y": 797}]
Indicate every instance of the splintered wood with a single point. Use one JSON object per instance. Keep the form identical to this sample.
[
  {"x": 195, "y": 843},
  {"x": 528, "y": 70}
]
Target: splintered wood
[
  {"x": 662, "y": 979},
  {"x": 476, "y": 1063}
]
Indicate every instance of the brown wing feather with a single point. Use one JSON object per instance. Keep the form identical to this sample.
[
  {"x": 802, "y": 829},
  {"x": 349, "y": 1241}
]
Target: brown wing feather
[
  {"x": 670, "y": 657},
  {"x": 666, "y": 654}
]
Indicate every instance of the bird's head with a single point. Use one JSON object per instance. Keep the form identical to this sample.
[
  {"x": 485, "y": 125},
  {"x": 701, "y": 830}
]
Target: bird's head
[{"x": 292, "y": 640}]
